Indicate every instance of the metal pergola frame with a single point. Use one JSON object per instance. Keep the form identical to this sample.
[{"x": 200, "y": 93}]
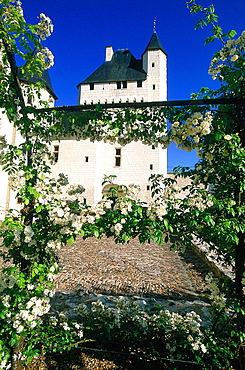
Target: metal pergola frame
[{"x": 156, "y": 104}]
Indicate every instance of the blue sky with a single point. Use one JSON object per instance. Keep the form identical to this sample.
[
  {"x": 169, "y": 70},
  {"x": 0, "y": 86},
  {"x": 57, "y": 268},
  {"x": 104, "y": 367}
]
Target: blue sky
[{"x": 82, "y": 30}]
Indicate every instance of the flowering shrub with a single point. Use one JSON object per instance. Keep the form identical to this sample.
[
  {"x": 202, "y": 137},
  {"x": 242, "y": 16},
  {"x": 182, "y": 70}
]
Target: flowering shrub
[
  {"x": 53, "y": 212},
  {"x": 155, "y": 331}
]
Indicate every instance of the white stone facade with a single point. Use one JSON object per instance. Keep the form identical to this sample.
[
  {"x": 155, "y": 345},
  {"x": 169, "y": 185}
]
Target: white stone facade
[
  {"x": 8, "y": 198},
  {"x": 86, "y": 163}
]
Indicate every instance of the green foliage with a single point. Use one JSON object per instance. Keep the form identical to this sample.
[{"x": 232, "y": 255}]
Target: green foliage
[{"x": 53, "y": 213}]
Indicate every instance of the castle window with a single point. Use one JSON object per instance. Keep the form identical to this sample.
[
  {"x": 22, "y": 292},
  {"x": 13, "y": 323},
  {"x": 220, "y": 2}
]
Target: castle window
[
  {"x": 56, "y": 153},
  {"x": 147, "y": 187},
  {"x": 154, "y": 87},
  {"x": 153, "y": 147},
  {"x": 29, "y": 100},
  {"x": 153, "y": 65},
  {"x": 118, "y": 157},
  {"x": 19, "y": 200},
  {"x": 86, "y": 159},
  {"x": 91, "y": 86},
  {"x": 84, "y": 201},
  {"x": 139, "y": 83},
  {"x": 151, "y": 166},
  {"x": 122, "y": 84}
]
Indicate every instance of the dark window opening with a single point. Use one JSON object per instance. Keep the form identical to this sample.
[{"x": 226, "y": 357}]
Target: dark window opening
[
  {"x": 86, "y": 159},
  {"x": 153, "y": 65},
  {"x": 154, "y": 87},
  {"x": 153, "y": 147},
  {"x": 118, "y": 85},
  {"x": 19, "y": 200},
  {"x": 56, "y": 153},
  {"x": 118, "y": 162},
  {"x": 29, "y": 100},
  {"x": 139, "y": 83},
  {"x": 91, "y": 86},
  {"x": 84, "y": 201},
  {"x": 147, "y": 187},
  {"x": 151, "y": 166},
  {"x": 125, "y": 84},
  {"x": 118, "y": 157}
]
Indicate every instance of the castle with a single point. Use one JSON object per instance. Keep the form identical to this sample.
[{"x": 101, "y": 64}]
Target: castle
[{"x": 121, "y": 78}]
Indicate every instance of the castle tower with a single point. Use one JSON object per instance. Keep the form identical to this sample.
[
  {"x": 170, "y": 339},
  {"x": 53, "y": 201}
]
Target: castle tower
[
  {"x": 12, "y": 135},
  {"x": 123, "y": 78},
  {"x": 155, "y": 65}
]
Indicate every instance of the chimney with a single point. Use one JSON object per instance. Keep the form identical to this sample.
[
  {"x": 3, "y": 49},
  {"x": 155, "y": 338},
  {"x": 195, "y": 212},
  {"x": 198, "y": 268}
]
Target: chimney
[{"x": 109, "y": 53}]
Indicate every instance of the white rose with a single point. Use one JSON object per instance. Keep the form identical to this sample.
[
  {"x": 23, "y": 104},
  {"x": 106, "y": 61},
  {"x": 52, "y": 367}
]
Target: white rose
[
  {"x": 227, "y": 137},
  {"x": 234, "y": 58}
]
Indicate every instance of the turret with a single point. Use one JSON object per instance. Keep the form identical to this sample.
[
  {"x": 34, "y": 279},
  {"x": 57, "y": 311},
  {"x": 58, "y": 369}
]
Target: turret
[{"x": 155, "y": 65}]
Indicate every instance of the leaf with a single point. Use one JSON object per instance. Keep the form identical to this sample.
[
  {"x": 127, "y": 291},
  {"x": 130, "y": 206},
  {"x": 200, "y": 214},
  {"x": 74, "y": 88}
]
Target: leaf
[
  {"x": 126, "y": 237},
  {"x": 71, "y": 240},
  {"x": 165, "y": 221},
  {"x": 96, "y": 234},
  {"x": 231, "y": 34},
  {"x": 39, "y": 208}
]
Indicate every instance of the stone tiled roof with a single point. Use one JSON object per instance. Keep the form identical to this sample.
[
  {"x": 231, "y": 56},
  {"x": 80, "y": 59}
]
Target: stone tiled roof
[
  {"x": 45, "y": 78},
  {"x": 122, "y": 67},
  {"x": 154, "y": 44}
]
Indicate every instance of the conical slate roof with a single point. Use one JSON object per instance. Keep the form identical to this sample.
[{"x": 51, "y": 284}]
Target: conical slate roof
[
  {"x": 154, "y": 44},
  {"x": 45, "y": 79}
]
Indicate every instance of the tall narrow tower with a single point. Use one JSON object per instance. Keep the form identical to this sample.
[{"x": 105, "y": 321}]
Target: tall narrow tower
[{"x": 155, "y": 65}]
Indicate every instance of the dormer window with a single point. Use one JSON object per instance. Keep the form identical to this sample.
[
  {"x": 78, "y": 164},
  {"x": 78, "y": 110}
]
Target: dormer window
[{"x": 122, "y": 84}]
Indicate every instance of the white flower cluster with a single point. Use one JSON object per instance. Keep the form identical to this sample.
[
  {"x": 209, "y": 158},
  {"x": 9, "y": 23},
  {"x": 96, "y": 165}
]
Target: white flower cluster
[
  {"x": 6, "y": 282},
  {"x": 156, "y": 209},
  {"x": 126, "y": 310},
  {"x": 46, "y": 57},
  {"x": 45, "y": 27},
  {"x": 74, "y": 327},
  {"x": 124, "y": 205},
  {"x": 188, "y": 135},
  {"x": 4, "y": 363},
  {"x": 123, "y": 127},
  {"x": 18, "y": 6},
  {"x": 190, "y": 324},
  {"x": 230, "y": 53},
  {"x": 29, "y": 314},
  {"x": 216, "y": 295},
  {"x": 199, "y": 200},
  {"x": 17, "y": 180},
  {"x": 132, "y": 191}
]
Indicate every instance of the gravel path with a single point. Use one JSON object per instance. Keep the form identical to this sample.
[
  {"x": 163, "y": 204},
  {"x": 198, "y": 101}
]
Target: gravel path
[{"x": 101, "y": 266}]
